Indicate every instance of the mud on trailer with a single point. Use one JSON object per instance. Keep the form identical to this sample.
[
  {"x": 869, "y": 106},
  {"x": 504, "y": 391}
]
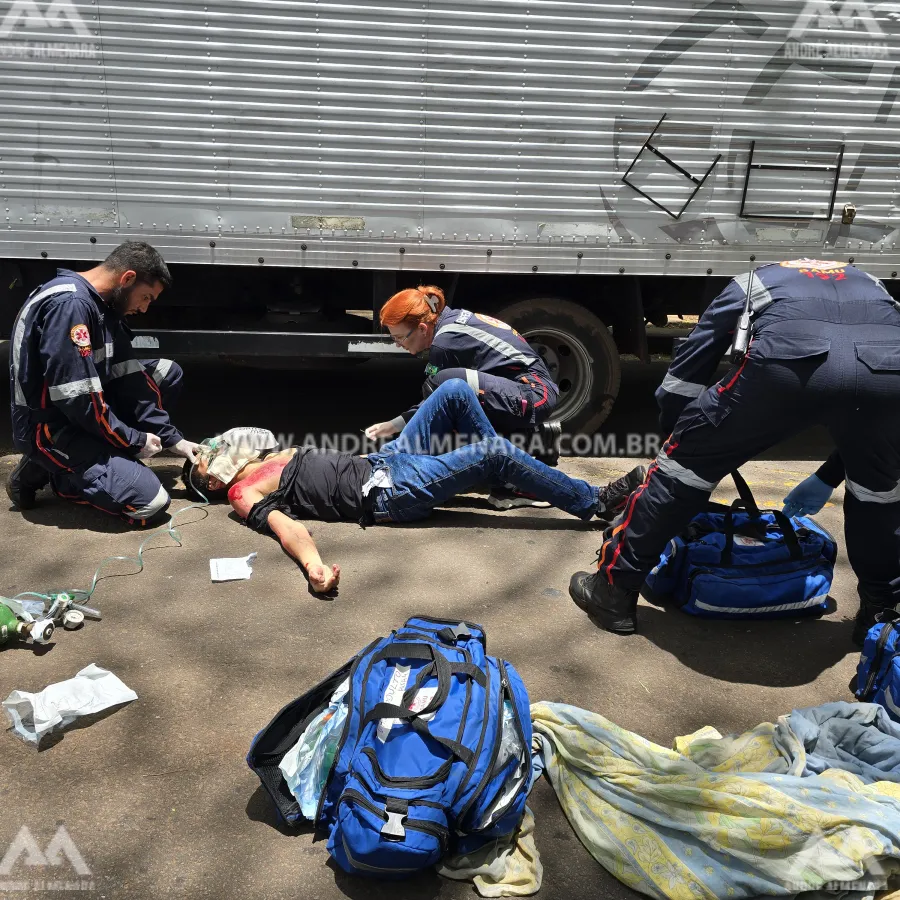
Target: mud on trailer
[{"x": 577, "y": 168}]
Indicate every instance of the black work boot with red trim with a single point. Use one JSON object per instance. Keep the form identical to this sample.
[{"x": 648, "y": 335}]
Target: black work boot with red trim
[
  {"x": 25, "y": 480},
  {"x": 607, "y": 606},
  {"x": 615, "y": 495}
]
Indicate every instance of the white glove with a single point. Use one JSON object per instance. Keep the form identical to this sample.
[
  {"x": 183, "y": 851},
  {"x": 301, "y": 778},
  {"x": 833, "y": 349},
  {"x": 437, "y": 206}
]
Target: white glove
[
  {"x": 187, "y": 449},
  {"x": 152, "y": 446}
]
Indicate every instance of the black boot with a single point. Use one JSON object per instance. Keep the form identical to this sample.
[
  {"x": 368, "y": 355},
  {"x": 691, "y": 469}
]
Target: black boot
[
  {"x": 608, "y": 606},
  {"x": 869, "y": 611},
  {"x": 615, "y": 495},
  {"x": 549, "y": 433},
  {"x": 25, "y": 480}
]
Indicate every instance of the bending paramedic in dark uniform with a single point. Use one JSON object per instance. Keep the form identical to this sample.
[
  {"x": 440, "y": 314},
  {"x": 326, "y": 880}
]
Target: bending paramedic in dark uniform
[
  {"x": 85, "y": 411},
  {"x": 507, "y": 375},
  {"x": 825, "y": 349}
]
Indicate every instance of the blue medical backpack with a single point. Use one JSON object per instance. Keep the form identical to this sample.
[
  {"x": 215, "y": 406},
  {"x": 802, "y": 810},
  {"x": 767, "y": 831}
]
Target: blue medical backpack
[
  {"x": 878, "y": 672},
  {"x": 740, "y": 562},
  {"x": 418, "y": 773}
]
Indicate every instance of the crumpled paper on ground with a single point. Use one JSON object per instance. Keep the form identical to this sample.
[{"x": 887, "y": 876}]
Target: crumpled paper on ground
[
  {"x": 91, "y": 691},
  {"x": 508, "y": 867}
]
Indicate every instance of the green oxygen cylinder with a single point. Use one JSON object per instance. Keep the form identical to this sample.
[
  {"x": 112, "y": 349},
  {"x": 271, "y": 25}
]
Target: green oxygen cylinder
[{"x": 9, "y": 624}]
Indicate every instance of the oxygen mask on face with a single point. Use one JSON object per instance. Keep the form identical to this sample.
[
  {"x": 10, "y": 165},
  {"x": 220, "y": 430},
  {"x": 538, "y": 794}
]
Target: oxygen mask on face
[{"x": 228, "y": 453}]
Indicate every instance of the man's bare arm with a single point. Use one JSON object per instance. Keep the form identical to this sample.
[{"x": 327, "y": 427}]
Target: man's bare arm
[{"x": 298, "y": 542}]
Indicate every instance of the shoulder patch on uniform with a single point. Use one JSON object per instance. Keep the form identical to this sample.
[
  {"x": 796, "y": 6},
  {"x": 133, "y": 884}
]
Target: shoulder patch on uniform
[
  {"x": 492, "y": 321},
  {"x": 463, "y": 317},
  {"x": 818, "y": 264},
  {"x": 818, "y": 268},
  {"x": 81, "y": 338}
]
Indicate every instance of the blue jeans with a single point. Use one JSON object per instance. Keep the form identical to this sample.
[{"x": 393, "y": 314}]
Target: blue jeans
[{"x": 424, "y": 478}]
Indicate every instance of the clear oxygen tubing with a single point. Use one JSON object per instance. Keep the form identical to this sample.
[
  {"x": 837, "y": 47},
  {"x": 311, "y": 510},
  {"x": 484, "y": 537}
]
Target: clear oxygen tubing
[{"x": 81, "y": 596}]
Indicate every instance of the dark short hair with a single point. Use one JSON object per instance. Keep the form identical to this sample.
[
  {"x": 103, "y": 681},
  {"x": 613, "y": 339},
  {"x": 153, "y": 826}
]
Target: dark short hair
[
  {"x": 145, "y": 261},
  {"x": 194, "y": 482}
]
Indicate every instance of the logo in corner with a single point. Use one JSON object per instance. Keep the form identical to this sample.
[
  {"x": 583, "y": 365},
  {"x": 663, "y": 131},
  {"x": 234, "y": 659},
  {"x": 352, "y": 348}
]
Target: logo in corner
[
  {"x": 26, "y": 849},
  {"x": 57, "y": 19}
]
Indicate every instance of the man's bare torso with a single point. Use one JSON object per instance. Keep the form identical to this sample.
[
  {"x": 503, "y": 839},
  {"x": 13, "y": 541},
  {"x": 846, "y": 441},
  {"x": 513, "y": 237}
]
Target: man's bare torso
[{"x": 262, "y": 477}]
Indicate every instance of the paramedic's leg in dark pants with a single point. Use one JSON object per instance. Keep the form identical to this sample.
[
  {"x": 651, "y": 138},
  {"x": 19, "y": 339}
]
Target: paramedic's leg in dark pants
[
  {"x": 511, "y": 406},
  {"x": 422, "y": 482},
  {"x": 868, "y": 439},
  {"x": 730, "y": 423},
  {"x": 111, "y": 483}
]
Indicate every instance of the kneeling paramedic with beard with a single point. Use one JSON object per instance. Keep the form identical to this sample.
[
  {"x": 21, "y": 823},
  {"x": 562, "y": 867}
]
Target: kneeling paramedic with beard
[
  {"x": 85, "y": 410},
  {"x": 824, "y": 349},
  {"x": 400, "y": 483}
]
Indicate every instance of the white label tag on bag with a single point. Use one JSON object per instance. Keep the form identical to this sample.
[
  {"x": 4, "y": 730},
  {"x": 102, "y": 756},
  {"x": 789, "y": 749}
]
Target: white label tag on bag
[
  {"x": 748, "y": 541},
  {"x": 393, "y": 694}
]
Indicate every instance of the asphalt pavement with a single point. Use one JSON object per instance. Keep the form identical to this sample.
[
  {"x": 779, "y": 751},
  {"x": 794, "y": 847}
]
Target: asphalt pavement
[{"x": 157, "y": 796}]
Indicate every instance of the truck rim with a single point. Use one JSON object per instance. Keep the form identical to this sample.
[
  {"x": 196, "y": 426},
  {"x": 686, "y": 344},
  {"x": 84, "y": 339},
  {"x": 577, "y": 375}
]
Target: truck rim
[{"x": 570, "y": 366}]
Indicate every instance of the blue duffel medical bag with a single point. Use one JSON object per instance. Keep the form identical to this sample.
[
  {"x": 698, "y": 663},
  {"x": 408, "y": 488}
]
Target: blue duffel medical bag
[
  {"x": 878, "y": 672},
  {"x": 740, "y": 562},
  {"x": 432, "y": 757}
]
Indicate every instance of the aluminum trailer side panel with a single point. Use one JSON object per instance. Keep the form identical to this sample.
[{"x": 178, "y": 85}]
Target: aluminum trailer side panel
[{"x": 490, "y": 137}]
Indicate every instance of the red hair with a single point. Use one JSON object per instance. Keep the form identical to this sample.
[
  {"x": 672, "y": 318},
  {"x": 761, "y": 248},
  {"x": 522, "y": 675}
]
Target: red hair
[{"x": 413, "y": 306}]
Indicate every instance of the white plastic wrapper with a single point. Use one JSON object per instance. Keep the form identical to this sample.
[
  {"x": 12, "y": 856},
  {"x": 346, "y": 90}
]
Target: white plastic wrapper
[{"x": 91, "y": 691}]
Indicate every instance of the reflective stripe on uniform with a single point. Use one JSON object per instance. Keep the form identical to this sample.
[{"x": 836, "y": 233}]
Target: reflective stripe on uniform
[
  {"x": 678, "y": 472},
  {"x": 760, "y": 297},
  {"x": 154, "y": 506},
  {"x": 472, "y": 380},
  {"x": 104, "y": 352},
  {"x": 75, "y": 389},
  {"x": 674, "y": 385},
  {"x": 161, "y": 370},
  {"x": 19, "y": 336},
  {"x": 868, "y": 496},
  {"x": 129, "y": 367},
  {"x": 502, "y": 347}
]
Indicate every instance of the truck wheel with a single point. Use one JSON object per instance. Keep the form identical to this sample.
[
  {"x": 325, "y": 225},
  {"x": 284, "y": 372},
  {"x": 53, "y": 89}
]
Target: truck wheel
[{"x": 579, "y": 353}]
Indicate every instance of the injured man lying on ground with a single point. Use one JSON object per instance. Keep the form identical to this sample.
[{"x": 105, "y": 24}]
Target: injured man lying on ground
[{"x": 273, "y": 489}]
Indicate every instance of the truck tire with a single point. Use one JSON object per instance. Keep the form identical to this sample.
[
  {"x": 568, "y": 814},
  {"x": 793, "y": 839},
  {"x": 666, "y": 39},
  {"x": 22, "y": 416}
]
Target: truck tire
[{"x": 580, "y": 354}]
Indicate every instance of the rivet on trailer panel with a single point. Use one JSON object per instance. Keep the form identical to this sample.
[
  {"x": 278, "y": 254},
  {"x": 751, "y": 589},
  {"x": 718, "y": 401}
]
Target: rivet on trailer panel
[
  {"x": 893, "y": 274},
  {"x": 212, "y": 243},
  {"x": 668, "y": 256},
  {"x": 851, "y": 260},
  {"x": 621, "y": 270},
  {"x": 44, "y": 254},
  {"x": 753, "y": 257},
  {"x": 260, "y": 259},
  {"x": 709, "y": 271},
  {"x": 303, "y": 246},
  {"x": 442, "y": 266},
  {"x": 490, "y": 252},
  {"x": 93, "y": 240},
  {"x": 355, "y": 262},
  {"x": 403, "y": 249},
  {"x": 534, "y": 268}
]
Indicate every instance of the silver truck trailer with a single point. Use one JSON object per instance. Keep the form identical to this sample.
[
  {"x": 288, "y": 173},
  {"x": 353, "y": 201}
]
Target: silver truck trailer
[{"x": 577, "y": 168}]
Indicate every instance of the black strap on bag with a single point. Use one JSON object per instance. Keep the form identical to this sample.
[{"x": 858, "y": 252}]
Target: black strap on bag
[
  {"x": 747, "y": 502},
  {"x": 443, "y": 670}
]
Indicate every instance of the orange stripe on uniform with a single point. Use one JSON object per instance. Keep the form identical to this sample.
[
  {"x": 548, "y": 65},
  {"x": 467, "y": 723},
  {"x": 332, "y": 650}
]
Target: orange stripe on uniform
[
  {"x": 100, "y": 415},
  {"x": 152, "y": 384},
  {"x": 46, "y": 452}
]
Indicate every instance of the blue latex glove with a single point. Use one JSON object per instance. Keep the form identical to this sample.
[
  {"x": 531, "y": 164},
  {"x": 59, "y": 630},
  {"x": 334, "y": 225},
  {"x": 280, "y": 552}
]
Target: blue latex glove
[{"x": 808, "y": 497}]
